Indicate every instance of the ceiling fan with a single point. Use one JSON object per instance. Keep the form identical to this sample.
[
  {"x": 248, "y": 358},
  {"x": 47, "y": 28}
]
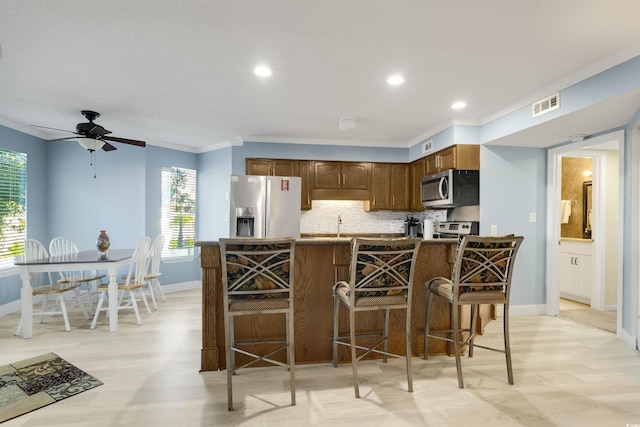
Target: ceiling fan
[{"x": 92, "y": 136}]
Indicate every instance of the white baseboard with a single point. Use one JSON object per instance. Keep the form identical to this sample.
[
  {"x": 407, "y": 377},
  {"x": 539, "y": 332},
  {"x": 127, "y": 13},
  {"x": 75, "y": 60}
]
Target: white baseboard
[
  {"x": 14, "y": 306},
  {"x": 524, "y": 310},
  {"x": 9, "y": 308},
  {"x": 184, "y": 286},
  {"x": 629, "y": 340}
]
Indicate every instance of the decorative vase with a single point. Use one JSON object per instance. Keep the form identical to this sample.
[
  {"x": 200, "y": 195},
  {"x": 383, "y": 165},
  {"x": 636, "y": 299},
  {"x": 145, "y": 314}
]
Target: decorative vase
[{"x": 103, "y": 243}]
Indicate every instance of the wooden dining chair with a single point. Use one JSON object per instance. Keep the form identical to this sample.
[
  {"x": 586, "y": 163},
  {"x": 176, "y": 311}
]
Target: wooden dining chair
[
  {"x": 482, "y": 274},
  {"x": 380, "y": 279}
]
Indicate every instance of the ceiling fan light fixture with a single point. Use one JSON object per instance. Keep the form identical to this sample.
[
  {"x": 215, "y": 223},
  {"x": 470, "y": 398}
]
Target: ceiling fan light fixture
[
  {"x": 90, "y": 144},
  {"x": 346, "y": 123}
]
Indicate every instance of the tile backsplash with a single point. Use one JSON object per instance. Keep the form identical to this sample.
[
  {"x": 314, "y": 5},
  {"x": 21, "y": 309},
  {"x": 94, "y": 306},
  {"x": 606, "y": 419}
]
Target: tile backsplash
[{"x": 323, "y": 218}]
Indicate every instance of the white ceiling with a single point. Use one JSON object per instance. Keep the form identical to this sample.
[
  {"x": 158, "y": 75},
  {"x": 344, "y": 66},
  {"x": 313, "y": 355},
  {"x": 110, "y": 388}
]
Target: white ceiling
[{"x": 179, "y": 73}]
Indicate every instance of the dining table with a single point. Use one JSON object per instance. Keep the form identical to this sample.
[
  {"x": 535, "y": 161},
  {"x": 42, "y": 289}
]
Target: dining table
[{"x": 90, "y": 260}]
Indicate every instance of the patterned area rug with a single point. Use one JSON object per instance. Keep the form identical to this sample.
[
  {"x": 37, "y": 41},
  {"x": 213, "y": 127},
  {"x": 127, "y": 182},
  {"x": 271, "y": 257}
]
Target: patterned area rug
[{"x": 40, "y": 381}]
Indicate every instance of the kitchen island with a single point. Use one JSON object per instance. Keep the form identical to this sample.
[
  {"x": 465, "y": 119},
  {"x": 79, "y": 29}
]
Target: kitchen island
[{"x": 319, "y": 263}]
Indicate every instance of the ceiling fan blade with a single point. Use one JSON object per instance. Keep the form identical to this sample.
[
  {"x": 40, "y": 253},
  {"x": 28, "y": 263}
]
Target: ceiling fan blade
[
  {"x": 68, "y": 138},
  {"x": 107, "y": 146},
  {"x": 125, "y": 141},
  {"x": 46, "y": 127}
]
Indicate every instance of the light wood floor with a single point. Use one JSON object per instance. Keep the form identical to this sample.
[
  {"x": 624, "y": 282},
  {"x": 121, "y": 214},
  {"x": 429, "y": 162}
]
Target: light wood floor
[
  {"x": 583, "y": 313},
  {"x": 566, "y": 374}
]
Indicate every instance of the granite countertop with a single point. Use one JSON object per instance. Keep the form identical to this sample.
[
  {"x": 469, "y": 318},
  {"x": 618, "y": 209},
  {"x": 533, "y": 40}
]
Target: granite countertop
[{"x": 328, "y": 238}]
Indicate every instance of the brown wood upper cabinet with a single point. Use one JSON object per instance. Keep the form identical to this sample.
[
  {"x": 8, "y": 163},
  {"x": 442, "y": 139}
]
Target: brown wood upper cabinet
[
  {"x": 273, "y": 167},
  {"x": 305, "y": 167},
  {"x": 416, "y": 172},
  {"x": 341, "y": 180},
  {"x": 389, "y": 187},
  {"x": 455, "y": 157},
  {"x": 285, "y": 167}
]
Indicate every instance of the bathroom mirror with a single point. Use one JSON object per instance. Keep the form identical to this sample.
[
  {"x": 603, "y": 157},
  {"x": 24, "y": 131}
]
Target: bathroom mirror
[{"x": 587, "y": 204}]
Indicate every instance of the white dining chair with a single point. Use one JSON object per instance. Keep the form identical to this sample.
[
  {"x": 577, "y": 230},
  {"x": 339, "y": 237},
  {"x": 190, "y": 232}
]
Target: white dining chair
[
  {"x": 152, "y": 278},
  {"x": 45, "y": 287},
  {"x": 131, "y": 288},
  {"x": 60, "y": 246}
]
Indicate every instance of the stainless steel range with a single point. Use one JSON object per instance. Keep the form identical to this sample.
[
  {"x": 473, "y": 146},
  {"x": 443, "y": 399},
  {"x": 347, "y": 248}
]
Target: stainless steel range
[{"x": 453, "y": 229}]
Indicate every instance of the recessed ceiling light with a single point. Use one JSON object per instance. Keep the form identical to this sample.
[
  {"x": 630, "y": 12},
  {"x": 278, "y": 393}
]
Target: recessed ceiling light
[
  {"x": 262, "y": 71},
  {"x": 458, "y": 105},
  {"x": 395, "y": 80}
]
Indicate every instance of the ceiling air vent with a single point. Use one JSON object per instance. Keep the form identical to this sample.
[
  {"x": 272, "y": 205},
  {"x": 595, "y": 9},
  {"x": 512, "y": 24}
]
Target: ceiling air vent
[{"x": 545, "y": 105}]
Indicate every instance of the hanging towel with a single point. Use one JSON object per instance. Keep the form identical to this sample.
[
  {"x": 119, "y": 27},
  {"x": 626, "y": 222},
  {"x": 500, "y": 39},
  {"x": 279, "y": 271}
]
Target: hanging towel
[{"x": 565, "y": 211}]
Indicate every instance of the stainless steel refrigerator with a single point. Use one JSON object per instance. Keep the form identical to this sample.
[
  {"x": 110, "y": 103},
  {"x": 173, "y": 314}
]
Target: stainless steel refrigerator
[{"x": 264, "y": 206}]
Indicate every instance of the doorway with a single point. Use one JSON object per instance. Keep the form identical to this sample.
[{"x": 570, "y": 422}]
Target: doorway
[{"x": 589, "y": 256}]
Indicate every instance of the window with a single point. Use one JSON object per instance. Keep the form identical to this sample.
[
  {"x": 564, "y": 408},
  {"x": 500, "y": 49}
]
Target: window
[
  {"x": 178, "y": 211},
  {"x": 13, "y": 205}
]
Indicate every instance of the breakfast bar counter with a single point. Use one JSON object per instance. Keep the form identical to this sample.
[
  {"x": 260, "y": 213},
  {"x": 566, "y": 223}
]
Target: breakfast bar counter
[{"x": 319, "y": 263}]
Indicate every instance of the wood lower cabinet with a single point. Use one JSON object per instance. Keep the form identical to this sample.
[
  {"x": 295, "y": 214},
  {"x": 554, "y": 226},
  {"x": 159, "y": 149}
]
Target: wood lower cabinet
[{"x": 318, "y": 266}]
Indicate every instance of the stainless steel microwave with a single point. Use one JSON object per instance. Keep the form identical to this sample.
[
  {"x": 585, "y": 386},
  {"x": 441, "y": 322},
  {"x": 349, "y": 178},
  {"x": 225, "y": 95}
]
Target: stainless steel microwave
[{"x": 450, "y": 189}]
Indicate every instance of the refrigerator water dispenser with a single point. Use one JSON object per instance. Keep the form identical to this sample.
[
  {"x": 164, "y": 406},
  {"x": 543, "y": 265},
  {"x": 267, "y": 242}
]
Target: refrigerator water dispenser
[{"x": 244, "y": 222}]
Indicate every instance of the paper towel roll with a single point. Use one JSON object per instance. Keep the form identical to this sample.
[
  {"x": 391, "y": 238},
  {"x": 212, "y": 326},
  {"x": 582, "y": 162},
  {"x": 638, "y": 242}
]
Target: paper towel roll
[{"x": 427, "y": 229}]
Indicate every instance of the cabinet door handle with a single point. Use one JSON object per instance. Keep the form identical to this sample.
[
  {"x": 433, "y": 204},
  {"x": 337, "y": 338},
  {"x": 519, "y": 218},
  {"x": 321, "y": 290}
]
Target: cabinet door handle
[
  {"x": 374, "y": 200},
  {"x": 338, "y": 179},
  {"x": 576, "y": 261},
  {"x": 344, "y": 179},
  {"x": 393, "y": 200}
]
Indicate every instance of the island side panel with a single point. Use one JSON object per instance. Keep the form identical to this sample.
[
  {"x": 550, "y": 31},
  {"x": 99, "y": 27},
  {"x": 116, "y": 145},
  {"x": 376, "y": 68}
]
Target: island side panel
[{"x": 212, "y": 320}]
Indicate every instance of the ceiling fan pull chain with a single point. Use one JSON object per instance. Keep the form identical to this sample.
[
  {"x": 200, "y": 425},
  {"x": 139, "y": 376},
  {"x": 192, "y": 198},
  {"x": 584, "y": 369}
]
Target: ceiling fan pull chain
[{"x": 92, "y": 161}]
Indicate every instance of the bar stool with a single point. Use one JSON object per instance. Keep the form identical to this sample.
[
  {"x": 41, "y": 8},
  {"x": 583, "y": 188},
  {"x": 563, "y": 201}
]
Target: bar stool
[
  {"x": 258, "y": 278},
  {"x": 482, "y": 275},
  {"x": 380, "y": 279}
]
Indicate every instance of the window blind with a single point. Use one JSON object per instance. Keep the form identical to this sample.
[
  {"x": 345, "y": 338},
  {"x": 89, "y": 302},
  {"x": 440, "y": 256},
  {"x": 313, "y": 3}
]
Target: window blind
[
  {"x": 178, "y": 211},
  {"x": 13, "y": 205}
]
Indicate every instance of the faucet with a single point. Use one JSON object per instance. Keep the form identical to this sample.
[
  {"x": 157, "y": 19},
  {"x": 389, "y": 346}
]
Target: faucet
[{"x": 339, "y": 222}]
